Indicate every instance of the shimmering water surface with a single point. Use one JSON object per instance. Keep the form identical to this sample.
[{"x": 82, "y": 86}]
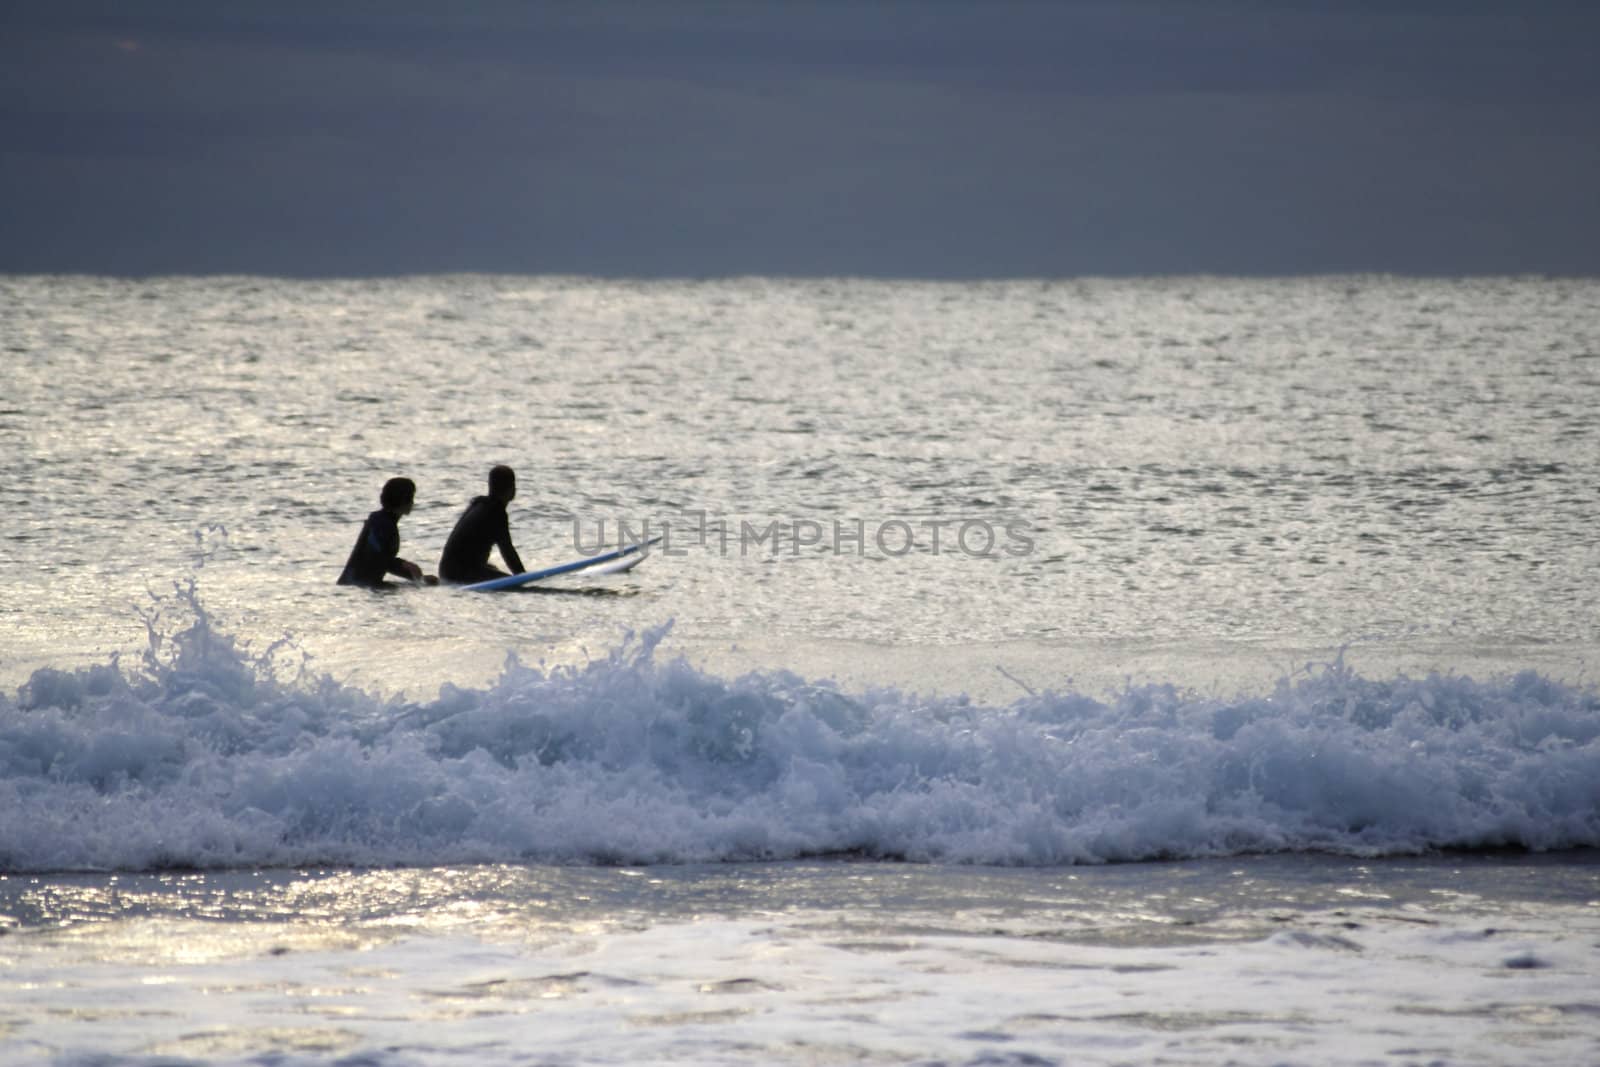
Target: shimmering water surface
[
  {"x": 1086, "y": 672},
  {"x": 1123, "y": 476}
]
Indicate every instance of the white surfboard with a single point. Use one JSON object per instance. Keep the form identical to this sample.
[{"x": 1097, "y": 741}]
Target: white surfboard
[{"x": 614, "y": 562}]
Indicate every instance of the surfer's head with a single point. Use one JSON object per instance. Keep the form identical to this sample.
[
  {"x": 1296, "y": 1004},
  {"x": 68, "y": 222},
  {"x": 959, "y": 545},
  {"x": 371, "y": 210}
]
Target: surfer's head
[
  {"x": 398, "y": 494},
  {"x": 502, "y": 482}
]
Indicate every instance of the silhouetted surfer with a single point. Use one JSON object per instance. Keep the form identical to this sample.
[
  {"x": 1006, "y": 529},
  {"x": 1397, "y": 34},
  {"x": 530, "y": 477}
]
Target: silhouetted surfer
[
  {"x": 482, "y": 526},
  {"x": 377, "y": 551}
]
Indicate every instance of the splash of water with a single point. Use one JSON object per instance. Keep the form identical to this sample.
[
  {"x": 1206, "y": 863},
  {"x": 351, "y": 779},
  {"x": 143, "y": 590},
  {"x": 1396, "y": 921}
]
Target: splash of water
[{"x": 207, "y": 753}]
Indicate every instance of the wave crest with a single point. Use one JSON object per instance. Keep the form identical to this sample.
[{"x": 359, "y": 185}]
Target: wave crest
[{"x": 206, "y": 754}]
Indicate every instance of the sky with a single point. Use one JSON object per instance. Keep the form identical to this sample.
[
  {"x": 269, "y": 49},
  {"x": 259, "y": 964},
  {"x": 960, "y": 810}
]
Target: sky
[{"x": 904, "y": 138}]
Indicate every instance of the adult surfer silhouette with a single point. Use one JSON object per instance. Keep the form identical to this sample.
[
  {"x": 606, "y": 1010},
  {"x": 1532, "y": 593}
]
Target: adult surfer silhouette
[{"x": 483, "y": 526}]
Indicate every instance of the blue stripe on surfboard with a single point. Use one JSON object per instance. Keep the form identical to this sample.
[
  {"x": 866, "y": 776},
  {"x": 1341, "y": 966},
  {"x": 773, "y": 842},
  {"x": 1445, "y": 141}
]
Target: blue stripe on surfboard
[{"x": 511, "y": 581}]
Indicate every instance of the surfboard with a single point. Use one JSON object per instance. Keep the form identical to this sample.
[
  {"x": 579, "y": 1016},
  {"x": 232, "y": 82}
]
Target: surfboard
[{"x": 612, "y": 562}]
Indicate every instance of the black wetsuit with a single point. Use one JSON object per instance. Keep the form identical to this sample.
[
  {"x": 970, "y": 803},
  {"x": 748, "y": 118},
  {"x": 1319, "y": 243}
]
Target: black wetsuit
[
  {"x": 377, "y": 551},
  {"x": 481, "y": 527}
]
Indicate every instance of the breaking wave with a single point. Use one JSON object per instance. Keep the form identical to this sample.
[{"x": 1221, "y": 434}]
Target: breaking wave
[{"x": 208, "y": 754}]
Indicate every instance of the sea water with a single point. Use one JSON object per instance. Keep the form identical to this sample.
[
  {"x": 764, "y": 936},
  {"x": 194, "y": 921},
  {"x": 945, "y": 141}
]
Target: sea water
[{"x": 1181, "y": 670}]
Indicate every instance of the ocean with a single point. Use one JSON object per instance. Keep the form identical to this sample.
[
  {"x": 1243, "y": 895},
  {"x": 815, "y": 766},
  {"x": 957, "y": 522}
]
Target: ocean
[{"x": 1104, "y": 671}]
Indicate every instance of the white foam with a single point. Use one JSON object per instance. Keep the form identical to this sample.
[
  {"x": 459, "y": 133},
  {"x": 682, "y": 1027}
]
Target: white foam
[{"x": 202, "y": 756}]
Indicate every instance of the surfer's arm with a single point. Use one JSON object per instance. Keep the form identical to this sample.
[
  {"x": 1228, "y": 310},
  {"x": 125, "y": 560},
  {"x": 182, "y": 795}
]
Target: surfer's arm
[
  {"x": 384, "y": 540},
  {"x": 502, "y": 541},
  {"x": 509, "y": 554},
  {"x": 404, "y": 568}
]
